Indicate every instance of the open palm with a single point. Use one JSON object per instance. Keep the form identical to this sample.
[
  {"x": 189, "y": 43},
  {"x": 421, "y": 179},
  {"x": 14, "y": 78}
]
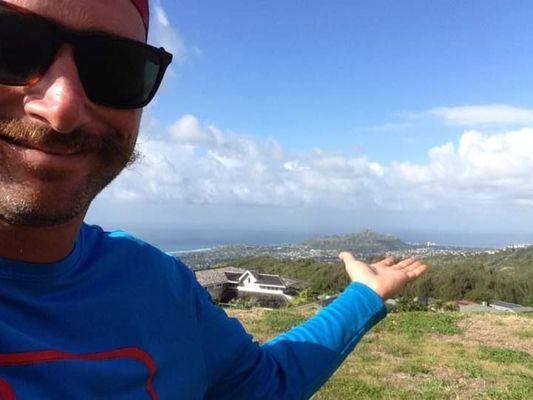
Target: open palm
[{"x": 385, "y": 277}]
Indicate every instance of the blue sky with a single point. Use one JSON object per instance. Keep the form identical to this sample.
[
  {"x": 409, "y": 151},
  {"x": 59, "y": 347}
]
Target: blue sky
[
  {"x": 381, "y": 113},
  {"x": 322, "y": 74}
]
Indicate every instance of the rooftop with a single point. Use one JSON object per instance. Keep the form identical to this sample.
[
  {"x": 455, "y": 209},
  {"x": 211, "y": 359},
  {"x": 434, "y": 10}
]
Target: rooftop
[{"x": 217, "y": 276}]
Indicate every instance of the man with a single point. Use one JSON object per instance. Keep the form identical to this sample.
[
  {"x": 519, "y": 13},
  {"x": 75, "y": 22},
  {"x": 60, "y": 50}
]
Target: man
[{"x": 88, "y": 314}]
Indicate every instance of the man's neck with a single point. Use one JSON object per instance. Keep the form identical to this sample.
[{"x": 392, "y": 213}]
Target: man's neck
[{"x": 38, "y": 245}]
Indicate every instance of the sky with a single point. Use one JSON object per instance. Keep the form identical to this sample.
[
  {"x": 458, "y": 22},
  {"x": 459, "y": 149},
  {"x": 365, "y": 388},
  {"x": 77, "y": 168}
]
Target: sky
[{"x": 333, "y": 116}]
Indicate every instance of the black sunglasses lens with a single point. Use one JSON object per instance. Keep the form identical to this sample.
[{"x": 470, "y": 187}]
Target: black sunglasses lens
[
  {"x": 118, "y": 73},
  {"x": 27, "y": 47}
]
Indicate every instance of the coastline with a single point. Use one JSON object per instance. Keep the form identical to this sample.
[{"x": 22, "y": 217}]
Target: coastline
[{"x": 200, "y": 250}]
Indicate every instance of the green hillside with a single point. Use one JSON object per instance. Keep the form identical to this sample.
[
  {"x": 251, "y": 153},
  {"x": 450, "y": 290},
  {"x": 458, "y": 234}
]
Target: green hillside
[
  {"x": 504, "y": 276},
  {"x": 363, "y": 242},
  {"x": 514, "y": 259},
  {"x": 322, "y": 278}
]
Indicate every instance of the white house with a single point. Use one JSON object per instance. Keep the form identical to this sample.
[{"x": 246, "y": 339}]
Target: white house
[
  {"x": 255, "y": 282},
  {"x": 224, "y": 283}
]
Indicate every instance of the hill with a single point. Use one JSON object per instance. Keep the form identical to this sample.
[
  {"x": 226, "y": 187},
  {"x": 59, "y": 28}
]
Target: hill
[
  {"x": 506, "y": 276},
  {"x": 509, "y": 259},
  {"x": 363, "y": 242}
]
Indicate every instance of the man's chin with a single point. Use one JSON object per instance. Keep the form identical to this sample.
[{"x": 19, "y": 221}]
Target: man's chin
[
  {"x": 38, "y": 220},
  {"x": 28, "y": 207},
  {"x": 39, "y": 214}
]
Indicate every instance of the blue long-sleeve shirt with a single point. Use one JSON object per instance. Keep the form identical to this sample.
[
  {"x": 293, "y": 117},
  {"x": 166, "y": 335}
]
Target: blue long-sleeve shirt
[{"x": 119, "y": 319}]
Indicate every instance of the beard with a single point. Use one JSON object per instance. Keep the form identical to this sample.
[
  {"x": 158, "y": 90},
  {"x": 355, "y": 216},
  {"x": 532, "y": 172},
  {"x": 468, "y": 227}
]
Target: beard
[{"x": 53, "y": 204}]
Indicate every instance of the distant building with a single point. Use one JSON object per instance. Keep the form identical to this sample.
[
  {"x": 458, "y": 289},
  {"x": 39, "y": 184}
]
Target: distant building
[
  {"x": 255, "y": 282},
  {"x": 470, "y": 306},
  {"x": 509, "y": 307},
  {"x": 217, "y": 281},
  {"x": 495, "y": 306},
  {"x": 225, "y": 284}
]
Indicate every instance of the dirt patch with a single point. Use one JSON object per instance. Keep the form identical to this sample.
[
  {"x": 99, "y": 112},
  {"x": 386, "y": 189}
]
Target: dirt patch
[
  {"x": 488, "y": 330},
  {"x": 406, "y": 380},
  {"x": 454, "y": 387},
  {"x": 253, "y": 314}
]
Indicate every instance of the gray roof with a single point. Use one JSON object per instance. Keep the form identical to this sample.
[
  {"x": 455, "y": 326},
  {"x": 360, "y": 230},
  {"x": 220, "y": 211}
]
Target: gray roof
[
  {"x": 215, "y": 276},
  {"x": 294, "y": 283},
  {"x": 478, "y": 308},
  {"x": 267, "y": 279},
  {"x": 504, "y": 304},
  {"x": 233, "y": 277}
]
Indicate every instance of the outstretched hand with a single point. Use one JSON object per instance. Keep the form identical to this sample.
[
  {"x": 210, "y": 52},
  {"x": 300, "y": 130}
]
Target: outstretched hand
[{"x": 386, "y": 277}]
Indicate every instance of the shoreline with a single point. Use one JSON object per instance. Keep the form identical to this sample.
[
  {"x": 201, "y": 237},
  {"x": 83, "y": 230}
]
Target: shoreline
[{"x": 201, "y": 250}]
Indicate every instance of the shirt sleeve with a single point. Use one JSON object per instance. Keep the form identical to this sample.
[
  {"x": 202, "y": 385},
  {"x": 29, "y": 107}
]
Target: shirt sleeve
[{"x": 293, "y": 365}]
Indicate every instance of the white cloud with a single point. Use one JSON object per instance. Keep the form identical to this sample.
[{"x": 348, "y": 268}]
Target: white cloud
[
  {"x": 481, "y": 169},
  {"x": 163, "y": 34},
  {"x": 197, "y": 163},
  {"x": 484, "y": 115}
]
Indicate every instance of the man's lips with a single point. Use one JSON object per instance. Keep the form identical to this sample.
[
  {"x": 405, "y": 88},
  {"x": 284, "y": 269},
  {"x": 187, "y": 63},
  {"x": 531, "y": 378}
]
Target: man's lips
[
  {"x": 52, "y": 149},
  {"x": 44, "y": 163}
]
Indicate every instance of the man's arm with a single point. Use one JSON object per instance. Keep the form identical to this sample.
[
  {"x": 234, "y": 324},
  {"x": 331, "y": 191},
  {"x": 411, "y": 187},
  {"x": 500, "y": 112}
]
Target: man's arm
[{"x": 295, "y": 364}]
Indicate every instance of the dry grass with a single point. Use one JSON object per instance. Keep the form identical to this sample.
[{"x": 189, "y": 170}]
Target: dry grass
[
  {"x": 500, "y": 330},
  {"x": 426, "y": 356}
]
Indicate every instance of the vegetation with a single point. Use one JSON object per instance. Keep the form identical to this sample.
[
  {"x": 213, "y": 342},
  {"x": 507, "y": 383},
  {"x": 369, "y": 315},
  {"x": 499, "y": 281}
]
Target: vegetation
[
  {"x": 322, "y": 278},
  {"x": 423, "y": 355},
  {"x": 506, "y": 275},
  {"x": 363, "y": 242}
]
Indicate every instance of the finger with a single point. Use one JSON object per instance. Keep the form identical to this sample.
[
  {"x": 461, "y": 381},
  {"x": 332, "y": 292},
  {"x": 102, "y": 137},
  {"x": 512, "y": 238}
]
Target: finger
[
  {"x": 412, "y": 267},
  {"x": 347, "y": 257},
  {"x": 386, "y": 262},
  {"x": 404, "y": 263},
  {"x": 350, "y": 260},
  {"x": 357, "y": 270},
  {"x": 417, "y": 273}
]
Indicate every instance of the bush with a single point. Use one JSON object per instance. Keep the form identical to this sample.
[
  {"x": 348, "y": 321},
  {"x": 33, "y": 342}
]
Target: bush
[
  {"x": 304, "y": 297},
  {"x": 450, "y": 306},
  {"x": 244, "y": 303},
  {"x": 404, "y": 304}
]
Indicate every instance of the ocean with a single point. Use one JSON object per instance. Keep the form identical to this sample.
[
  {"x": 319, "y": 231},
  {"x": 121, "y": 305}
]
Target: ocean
[
  {"x": 173, "y": 240},
  {"x": 170, "y": 240}
]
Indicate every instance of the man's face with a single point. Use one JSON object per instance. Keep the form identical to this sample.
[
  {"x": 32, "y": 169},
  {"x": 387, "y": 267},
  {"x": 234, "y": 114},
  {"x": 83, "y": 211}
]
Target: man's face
[{"x": 68, "y": 148}]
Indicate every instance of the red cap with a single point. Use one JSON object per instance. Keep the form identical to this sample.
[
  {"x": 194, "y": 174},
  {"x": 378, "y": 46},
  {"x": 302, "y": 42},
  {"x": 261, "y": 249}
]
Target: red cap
[{"x": 142, "y": 6}]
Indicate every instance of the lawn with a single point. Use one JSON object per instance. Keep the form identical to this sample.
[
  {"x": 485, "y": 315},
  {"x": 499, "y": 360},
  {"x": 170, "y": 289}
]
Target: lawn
[{"x": 423, "y": 355}]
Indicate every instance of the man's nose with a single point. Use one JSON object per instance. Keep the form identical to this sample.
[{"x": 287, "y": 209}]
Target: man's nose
[{"x": 58, "y": 98}]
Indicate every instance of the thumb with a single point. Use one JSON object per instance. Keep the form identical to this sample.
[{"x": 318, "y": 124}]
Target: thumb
[
  {"x": 357, "y": 270},
  {"x": 347, "y": 257}
]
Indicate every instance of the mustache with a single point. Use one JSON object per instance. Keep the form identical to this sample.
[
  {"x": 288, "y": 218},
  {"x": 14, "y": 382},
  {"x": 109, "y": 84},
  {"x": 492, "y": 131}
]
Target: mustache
[{"x": 110, "y": 146}]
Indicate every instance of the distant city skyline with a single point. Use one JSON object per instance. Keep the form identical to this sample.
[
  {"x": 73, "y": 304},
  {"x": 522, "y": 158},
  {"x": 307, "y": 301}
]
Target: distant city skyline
[{"x": 336, "y": 116}]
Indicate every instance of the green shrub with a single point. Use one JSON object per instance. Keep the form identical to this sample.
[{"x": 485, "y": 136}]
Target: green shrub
[
  {"x": 505, "y": 356},
  {"x": 404, "y": 304},
  {"x": 244, "y": 303}
]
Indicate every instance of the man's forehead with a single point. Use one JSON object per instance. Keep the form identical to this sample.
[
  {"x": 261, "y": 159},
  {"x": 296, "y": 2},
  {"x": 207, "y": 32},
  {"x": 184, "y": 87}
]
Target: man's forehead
[
  {"x": 118, "y": 17},
  {"x": 142, "y": 6}
]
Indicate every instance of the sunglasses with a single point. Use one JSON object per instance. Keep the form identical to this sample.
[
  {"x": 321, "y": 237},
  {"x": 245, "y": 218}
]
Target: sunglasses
[{"x": 115, "y": 72}]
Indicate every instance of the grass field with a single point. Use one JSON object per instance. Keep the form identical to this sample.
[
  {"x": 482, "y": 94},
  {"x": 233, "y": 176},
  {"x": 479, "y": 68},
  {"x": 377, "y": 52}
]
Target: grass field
[{"x": 422, "y": 355}]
